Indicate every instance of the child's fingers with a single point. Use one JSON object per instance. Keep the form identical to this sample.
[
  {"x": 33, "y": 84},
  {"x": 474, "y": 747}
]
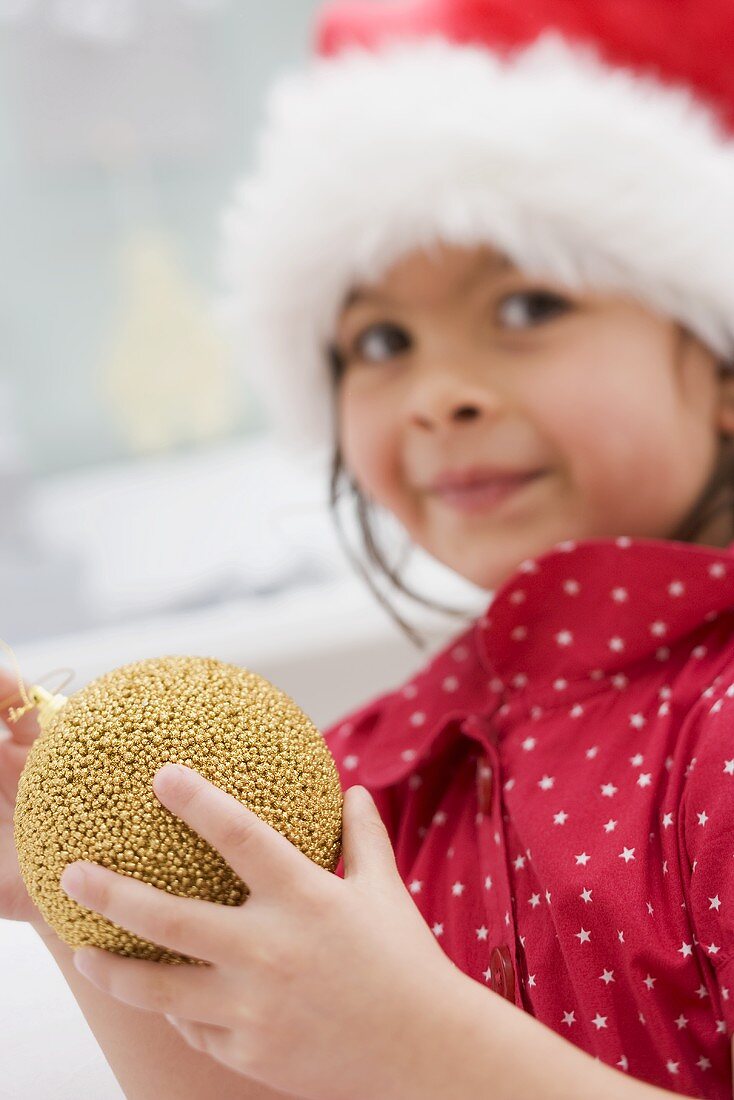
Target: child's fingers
[{"x": 26, "y": 729}]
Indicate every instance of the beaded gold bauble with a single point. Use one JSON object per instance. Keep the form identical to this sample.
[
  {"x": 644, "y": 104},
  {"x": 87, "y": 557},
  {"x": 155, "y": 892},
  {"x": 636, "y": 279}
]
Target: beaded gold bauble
[{"x": 86, "y": 791}]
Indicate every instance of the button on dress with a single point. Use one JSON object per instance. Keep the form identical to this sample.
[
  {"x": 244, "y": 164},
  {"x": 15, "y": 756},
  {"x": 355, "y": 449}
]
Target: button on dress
[{"x": 558, "y": 787}]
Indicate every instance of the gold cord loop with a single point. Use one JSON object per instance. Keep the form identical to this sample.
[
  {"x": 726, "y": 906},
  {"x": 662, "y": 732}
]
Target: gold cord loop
[{"x": 39, "y": 697}]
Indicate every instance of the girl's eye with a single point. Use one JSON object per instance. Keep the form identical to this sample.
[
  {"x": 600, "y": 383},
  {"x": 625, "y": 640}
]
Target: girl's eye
[
  {"x": 531, "y": 305},
  {"x": 380, "y": 342}
]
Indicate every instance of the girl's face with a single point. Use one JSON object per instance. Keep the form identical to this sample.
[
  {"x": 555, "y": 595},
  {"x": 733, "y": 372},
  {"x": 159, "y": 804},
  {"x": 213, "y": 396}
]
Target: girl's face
[{"x": 458, "y": 359}]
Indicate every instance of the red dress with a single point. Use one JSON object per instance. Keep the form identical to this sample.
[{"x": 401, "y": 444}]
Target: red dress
[{"x": 558, "y": 785}]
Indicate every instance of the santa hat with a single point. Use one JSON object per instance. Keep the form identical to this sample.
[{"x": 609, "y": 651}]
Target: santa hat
[{"x": 592, "y": 142}]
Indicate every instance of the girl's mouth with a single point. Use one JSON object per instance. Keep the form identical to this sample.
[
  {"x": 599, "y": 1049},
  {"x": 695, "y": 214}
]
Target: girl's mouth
[{"x": 485, "y": 495}]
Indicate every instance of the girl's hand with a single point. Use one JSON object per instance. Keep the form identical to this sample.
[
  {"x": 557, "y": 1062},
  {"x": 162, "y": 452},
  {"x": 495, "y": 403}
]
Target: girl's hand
[
  {"x": 323, "y": 987},
  {"x": 15, "y": 904}
]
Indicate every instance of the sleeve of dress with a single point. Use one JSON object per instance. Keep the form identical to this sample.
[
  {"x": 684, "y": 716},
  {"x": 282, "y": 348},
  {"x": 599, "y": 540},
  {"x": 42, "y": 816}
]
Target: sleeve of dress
[
  {"x": 707, "y": 817},
  {"x": 344, "y": 739}
]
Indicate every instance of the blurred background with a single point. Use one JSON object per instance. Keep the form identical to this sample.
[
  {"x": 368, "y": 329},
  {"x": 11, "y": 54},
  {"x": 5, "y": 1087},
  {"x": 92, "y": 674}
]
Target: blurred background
[{"x": 144, "y": 507}]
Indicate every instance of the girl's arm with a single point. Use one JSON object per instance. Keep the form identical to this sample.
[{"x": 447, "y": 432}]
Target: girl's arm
[{"x": 147, "y": 1056}]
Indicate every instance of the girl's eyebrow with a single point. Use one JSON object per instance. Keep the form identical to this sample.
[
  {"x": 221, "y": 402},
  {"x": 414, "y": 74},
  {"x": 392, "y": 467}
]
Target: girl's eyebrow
[{"x": 496, "y": 265}]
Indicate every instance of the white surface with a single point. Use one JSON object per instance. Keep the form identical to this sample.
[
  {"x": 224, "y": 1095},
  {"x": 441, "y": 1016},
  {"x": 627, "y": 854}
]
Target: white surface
[
  {"x": 47, "y": 1050},
  {"x": 159, "y": 532}
]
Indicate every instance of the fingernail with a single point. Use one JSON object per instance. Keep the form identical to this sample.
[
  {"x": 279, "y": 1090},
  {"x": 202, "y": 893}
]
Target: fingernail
[
  {"x": 171, "y": 771},
  {"x": 72, "y": 881}
]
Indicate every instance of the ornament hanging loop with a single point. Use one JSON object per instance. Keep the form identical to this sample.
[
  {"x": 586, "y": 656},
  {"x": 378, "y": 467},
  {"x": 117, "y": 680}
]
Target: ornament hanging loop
[{"x": 37, "y": 696}]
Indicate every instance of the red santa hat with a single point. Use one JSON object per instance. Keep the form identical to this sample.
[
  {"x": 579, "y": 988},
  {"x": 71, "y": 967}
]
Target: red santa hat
[{"x": 592, "y": 142}]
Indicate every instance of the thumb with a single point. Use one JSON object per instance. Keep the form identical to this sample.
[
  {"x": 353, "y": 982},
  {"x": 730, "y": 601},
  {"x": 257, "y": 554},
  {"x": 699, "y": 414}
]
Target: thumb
[{"x": 366, "y": 848}]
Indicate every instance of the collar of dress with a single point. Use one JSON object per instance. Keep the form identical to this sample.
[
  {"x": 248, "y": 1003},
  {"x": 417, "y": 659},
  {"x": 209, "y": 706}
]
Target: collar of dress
[{"x": 563, "y": 625}]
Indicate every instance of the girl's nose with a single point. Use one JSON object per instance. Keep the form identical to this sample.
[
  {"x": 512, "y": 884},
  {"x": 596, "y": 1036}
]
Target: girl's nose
[
  {"x": 435, "y": 412},
  {"x": 447, "y": 389},
  {"x": 437, "y": 415}
]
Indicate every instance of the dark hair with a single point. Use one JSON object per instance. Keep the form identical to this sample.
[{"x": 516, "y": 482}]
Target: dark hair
[{"x": 703, "y": 511}]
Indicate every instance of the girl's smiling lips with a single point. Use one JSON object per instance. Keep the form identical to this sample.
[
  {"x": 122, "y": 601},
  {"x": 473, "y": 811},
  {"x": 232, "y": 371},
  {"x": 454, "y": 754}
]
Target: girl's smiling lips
[
  {"x": 471, "y": 476},
  {"x": 479, "y": 494}
]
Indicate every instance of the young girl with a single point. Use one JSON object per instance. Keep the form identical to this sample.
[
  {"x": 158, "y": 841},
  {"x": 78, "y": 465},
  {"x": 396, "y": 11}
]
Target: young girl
[{"x": 486, "y": 249}]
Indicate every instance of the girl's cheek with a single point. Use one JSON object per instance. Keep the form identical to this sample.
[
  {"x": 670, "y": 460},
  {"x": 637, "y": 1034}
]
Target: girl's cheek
[{"x": 361, "y": 443}]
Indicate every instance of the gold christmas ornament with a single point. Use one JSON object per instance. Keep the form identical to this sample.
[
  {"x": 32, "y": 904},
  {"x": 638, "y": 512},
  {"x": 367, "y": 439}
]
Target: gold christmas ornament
[{"x": 86, "y": 791}]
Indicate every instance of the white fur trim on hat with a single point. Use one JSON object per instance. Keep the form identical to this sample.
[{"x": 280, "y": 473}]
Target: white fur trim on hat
[{"x": 591, "y": 175}]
